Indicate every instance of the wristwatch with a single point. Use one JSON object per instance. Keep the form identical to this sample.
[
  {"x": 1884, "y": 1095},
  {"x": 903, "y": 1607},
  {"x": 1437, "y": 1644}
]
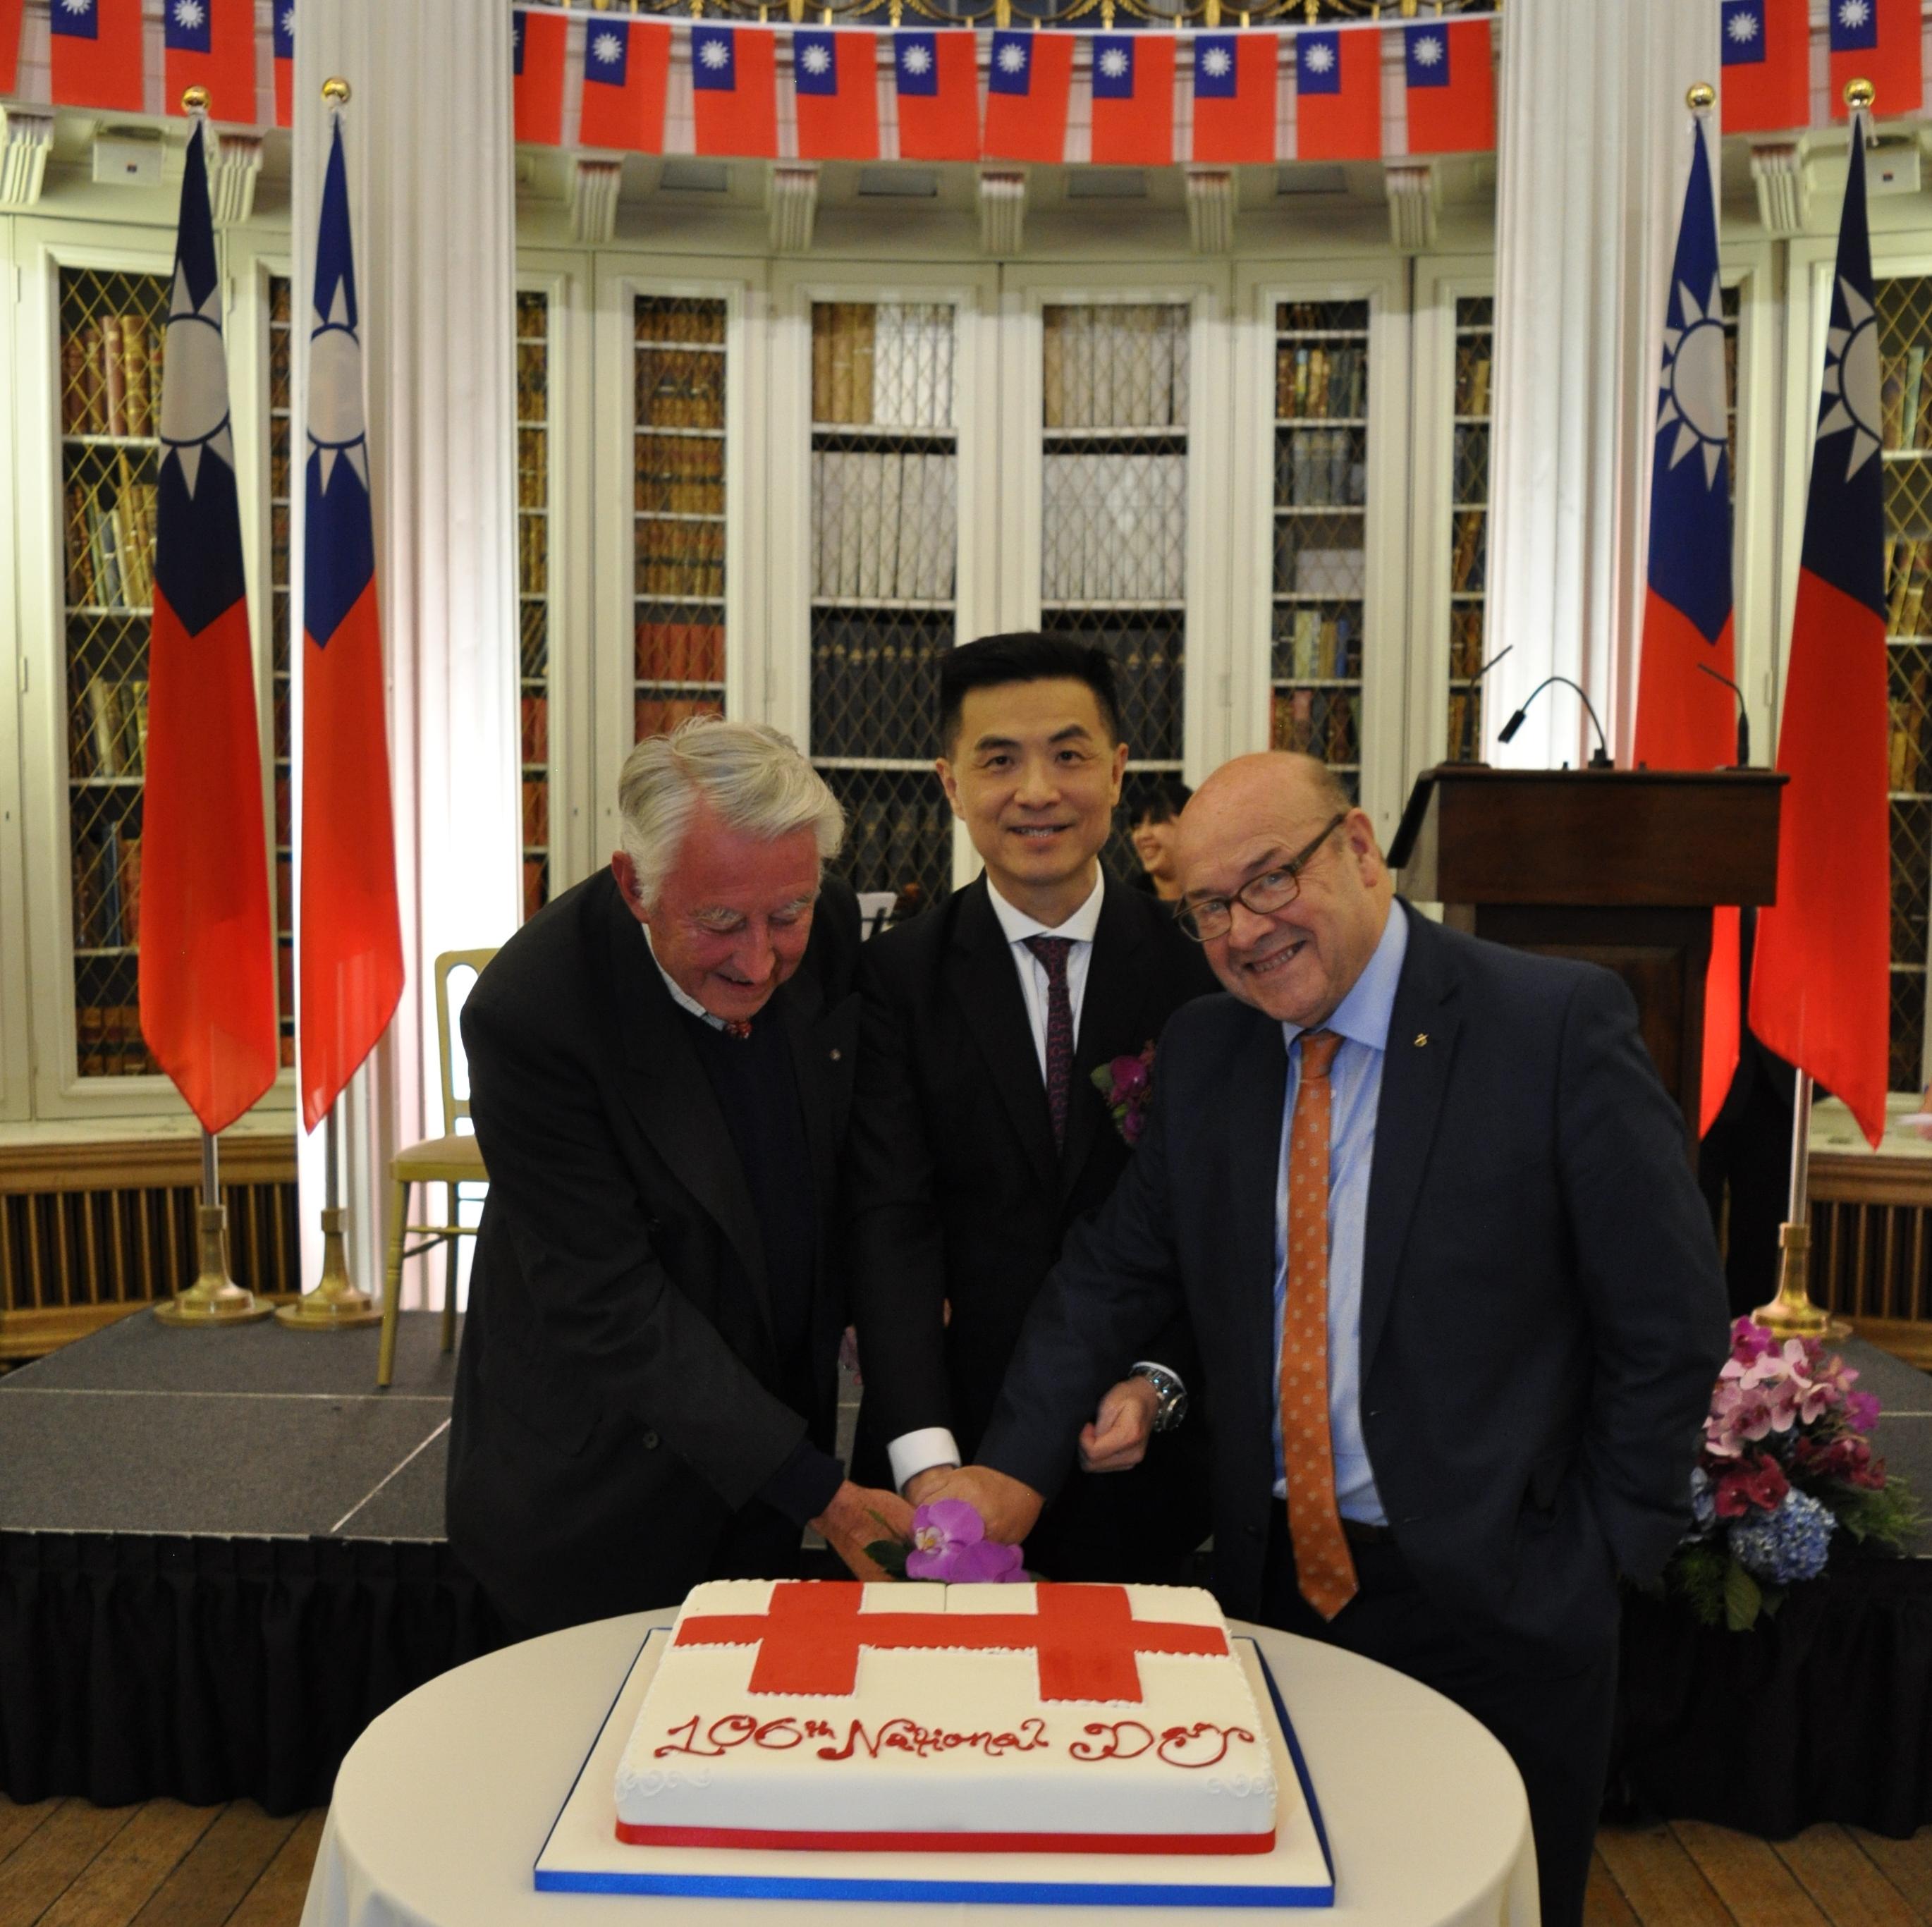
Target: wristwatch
[{"x": 1172, "y": 1394}]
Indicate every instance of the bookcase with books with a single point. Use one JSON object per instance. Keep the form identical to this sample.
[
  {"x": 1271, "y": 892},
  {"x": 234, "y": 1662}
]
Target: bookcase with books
[
  {"x": 1321, "y": 369},
  {"x": 1468, "y": 523},
  {"x": 111, "y": 330},
  {"x": 281, "y": 642},
  {"x": 681, "y": 366},
  {"x": 533, "y": 597},
  {"x": 884, "y": 539}
]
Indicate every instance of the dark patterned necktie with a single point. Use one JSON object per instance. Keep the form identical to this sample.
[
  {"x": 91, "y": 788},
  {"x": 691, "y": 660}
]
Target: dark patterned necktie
[
  {"x": 740, "y": 1027},
  {"x": 1053, "y": 952}
]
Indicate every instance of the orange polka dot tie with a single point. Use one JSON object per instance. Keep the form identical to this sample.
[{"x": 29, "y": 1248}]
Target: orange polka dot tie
[{"x": 1323, "y": 1566}]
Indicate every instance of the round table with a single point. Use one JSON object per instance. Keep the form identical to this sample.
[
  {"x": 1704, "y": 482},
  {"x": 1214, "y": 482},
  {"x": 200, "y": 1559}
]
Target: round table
[{"x": 443, "y": 1804}]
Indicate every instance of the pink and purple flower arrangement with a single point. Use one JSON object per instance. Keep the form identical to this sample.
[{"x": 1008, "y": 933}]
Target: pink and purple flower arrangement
[
  {"x": 949, "y": 1544},
  {"x": 1125, "y": 1085},
  {"x": 1786, "y": 1463}
]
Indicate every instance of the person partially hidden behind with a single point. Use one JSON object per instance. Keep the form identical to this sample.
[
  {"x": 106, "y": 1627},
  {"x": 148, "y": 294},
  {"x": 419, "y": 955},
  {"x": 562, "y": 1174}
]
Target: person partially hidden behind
[
  {"x": 978, "y": 1134},
  {"x": 1156, "y": 832},
  {"x": 1457, "y": 1300},
  {"x": 660, "y": 1068}
]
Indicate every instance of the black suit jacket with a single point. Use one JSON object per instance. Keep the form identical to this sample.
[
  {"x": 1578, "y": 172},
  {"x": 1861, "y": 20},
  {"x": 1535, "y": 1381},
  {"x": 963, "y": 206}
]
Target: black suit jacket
[
  {"x": 1543, "y": 1313},
  {"x": 617, "y": 1398},
  {"x": 957, "y": 1195}
]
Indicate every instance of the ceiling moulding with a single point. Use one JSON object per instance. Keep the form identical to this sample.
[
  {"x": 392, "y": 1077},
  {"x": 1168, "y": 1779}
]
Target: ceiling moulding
[
  {"x": 233, "y": 169},
  {"x": 26, "y": 138},
  {"x": 1212, "y": 193},
  {"x": 1414, "y": 199},
  {"x": 1784, "y": 192},
  {"x": 1002, "y": 209},
  {"x": 593, "y": 199},
  {"x": 792, "y": 202}
]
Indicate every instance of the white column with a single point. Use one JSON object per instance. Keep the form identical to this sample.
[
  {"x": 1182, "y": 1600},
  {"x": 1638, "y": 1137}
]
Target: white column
[
  {"x": 427, "y": 137},
  {"x": 1593, "y": 154}
]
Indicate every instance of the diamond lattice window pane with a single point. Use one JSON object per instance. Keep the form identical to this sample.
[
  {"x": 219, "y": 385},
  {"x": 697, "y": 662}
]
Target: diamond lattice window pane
[
  {"x": 280, "y": 475},
  {"x": 898, "y": 834},
  {"x": 1468, "y": 523},
  {"x": 533, "y": 511}
]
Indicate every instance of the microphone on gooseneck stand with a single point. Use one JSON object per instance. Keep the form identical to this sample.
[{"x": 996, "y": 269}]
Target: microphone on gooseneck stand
[
  {"x": 1600, "y": 757},
  {"x": 1743, "y": 715},
  {"x": 1469, "y": 686}
]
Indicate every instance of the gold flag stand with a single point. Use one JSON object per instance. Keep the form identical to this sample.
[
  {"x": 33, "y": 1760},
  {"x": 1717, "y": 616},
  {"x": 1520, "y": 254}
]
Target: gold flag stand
[
  {"x": 335, "y": 1304},
  {"x": 215, "y": 1297},
  {"x": 1792, "y": 1314}
]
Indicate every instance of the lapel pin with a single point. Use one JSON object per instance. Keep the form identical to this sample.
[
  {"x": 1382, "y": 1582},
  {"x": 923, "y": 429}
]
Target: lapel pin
[
  {"x": 835, "y": 1057},
  {"x": 1421, "y": 1038}
]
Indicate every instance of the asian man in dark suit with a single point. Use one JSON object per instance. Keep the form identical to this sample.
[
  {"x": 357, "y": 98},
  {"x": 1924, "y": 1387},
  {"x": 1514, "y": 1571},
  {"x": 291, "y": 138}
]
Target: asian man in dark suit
[
  {"x": 978, "y": 1135},
  {"x": 1457, "y": 1298},
  {"x": 661, "y": 1067}
]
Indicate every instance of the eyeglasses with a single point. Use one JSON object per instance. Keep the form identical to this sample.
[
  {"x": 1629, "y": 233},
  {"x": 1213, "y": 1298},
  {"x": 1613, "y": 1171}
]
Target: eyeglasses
[{"x": 1273, "y": 891}]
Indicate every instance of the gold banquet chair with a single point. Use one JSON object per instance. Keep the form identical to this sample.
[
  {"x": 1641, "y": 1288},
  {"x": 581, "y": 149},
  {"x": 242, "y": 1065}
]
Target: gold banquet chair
[{"x": 449, "y": 1161}]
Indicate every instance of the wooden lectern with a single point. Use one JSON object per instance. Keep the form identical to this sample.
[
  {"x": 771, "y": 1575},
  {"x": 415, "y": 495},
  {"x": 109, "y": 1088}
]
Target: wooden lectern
[{"x": 1619, "y": 867}]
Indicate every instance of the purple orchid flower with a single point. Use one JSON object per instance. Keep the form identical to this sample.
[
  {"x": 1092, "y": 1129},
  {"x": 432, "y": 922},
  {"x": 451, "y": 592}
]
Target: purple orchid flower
[{"x": 949, "y": 1542}]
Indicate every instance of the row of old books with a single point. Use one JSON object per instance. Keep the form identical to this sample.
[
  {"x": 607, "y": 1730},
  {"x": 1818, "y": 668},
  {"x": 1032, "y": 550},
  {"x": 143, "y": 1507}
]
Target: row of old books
[
  {"x": 895, "y": 843},
  {"x": 680, "y": 559},
  {"x": 1468, "y": 557},
  {"x": 1471, "y": 472},
  {"x": 533, "y": 382},
  {"x": 1149, "y": 670},
  {"x": 654, "y": 716},
  {"x": 108, "y": 1041},
  {"x": 1313, "y": 383},
  {"x": 1908, "y": 577},
  {"x": 1321, "y": 468},
  {"x": 1306, "y": 562},
  {"x": 882, "y": 364},
  {"x": 1329, "y": 317},
  {"x": 110, "y": 545},
  {"x": 533, "y": 469},
  {"x": 875, "y": 686},
  {"x": 532, "y": 553},
  {"x": 1317, "y": 722},
  {"x": 107, "y": 889},
  {"x": 110, "y": 732},
  {"x": 1315, "y": 645},
  {"x": 1466, "y": 640},
  {"x": 679, "y": 475},
  {"x": 1905, "y": 399},
  {"x": 533, "y": 641},
  {"x": 677, "y": 652},
  {"x": 536, "y": 885},
  {"x": 1472, "y": 376},
  {"x": 675, "y": 318},
  {"x": 679, "y": 389},
  {"x": 536, "y": 728},
  {"x": 1909, "y": 744},
  {"x": 1107, "y": 367},
  {"x": 111, "y": 376},
  {"x": 885, "y": 525},
  {"x": 1465, "y": 725},
  {"x": 536, "y": 812},
  {"x": 1113, "y": 528}
]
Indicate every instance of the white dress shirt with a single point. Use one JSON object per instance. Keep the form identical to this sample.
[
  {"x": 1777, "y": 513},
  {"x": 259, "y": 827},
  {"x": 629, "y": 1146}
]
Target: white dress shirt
[{"x": 681, "y": 998}]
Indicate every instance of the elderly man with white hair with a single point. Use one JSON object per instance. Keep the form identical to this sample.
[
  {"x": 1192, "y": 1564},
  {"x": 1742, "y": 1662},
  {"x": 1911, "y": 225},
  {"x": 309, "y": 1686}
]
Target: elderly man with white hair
[{"x": 660, "y": 1066}]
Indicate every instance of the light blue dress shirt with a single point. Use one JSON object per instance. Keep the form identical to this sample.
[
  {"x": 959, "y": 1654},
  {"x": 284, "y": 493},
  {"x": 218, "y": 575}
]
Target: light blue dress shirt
[{"x": 1355, "y": 1079}]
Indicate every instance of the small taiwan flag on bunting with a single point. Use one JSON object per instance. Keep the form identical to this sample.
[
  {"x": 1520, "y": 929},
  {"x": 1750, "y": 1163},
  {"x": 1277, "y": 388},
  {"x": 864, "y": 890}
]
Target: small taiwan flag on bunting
[
  {"x": 1028, "y": 88},
  {"x": 1235, "y": 80},
  {"x": 1878, "y": 40},
  {"x": 835, "y": 82},
  {"x": 210, "y": 43},
  {"x": 1451, "y": 87},
  {"x": 1767, "y": 65},
  {"x": 1338, "y": 94},
  {"x": 285, "y": 63},
  {"x": 11, "y": 14},
  {"x": 94, "y": 53},
  {"x": 734, "y": 90},
  {"x": 936, "y": 79},
  {"x": 626, "y": 74},
  {"x": 536, "y": 62},
  {"x": 1133, "y": 99}
]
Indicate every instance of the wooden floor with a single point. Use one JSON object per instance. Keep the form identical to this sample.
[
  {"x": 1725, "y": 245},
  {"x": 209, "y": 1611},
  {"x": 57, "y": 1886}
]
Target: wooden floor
[{"x": 63, "y": 1863}]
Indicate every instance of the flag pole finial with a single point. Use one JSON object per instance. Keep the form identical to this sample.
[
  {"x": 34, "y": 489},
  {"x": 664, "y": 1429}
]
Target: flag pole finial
[
  {"x": 194, "y": 100},
  {"x": 1859, "y": 96},
  {"x": 1701, "y": 96},
  {"x": 335, "y": 90}
]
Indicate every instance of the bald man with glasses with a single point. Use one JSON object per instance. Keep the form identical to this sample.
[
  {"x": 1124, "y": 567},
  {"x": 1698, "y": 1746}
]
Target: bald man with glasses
[{"x": 1428, "y": 1207}]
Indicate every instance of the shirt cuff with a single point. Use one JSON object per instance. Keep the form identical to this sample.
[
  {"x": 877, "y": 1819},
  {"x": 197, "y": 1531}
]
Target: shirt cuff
[
  {"x": 804, "y": 1485},
  {"x": 1155, "y": 1364},
  {"x": 912, "y": 1453}
]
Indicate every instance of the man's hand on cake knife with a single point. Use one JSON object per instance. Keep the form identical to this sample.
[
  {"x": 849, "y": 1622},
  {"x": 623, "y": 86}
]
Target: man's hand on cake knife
[
  {"x": 1010, "y": 1509},
  {"x": 852, "y": 1521},
  {"x": 1117, "y": 1441}
]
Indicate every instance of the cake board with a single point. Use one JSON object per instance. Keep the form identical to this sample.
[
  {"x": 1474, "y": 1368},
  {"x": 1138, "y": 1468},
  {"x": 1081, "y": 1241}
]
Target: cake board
[{"x": 582, "y": 1853}]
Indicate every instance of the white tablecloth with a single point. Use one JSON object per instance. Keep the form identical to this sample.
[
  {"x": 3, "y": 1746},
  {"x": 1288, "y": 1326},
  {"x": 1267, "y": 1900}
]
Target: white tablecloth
[{"x": 442, "y": 1806}]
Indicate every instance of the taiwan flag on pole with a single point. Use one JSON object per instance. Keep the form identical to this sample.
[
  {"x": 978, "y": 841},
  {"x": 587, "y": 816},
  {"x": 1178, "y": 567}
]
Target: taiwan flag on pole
[
  {"x": 1686, "y": 719},
  {"x": 1338, "y": 94},
  {"x": 936, "y": 82},
  {"x": 1451, "y": 87},
  {"x": 1878, "y": 40},
  {"x": 1767, "y": 65},
  {"x": 285, "y": 63},
  {"x": 626, "y": 76},
  {"x": 93, "y": 51},
  {"x": 209, "y": 44},
  {"x": 735, "y": 91},
  {"x": 536, "y": 67},
  {"x": 1235, "y": 81},
  {"x": 1133, "y": 99},
  {"x": 207, "y": 947},
  {"x": 1029, "y": 88},
  {"x": 835, "y": 84},
  {"x": 1820, "y": 986},
  {"x": 348, "y": 930}
]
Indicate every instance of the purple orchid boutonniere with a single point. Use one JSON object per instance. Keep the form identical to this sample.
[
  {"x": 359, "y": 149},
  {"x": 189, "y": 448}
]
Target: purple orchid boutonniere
[{"x": 1125, "y": 1085}]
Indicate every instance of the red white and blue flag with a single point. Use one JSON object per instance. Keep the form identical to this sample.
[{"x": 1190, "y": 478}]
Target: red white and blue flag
[
  {"x": 1235, "y": 85},
  {"x": 94, "y": 53},
  {"x": 285, "y": 63},
  {"x": 1766, "y": 64},
  {"x": 536, "y": 70},
  {"x": 207, "y": 968},
  {"x": 1878, "y": 40},
  {"x": 936, "y": 81},
  {"x": 626, "y": 77},
  {"x": 1133, "y": 99},
  {"x": 11, "y": 14},
  {"x": 1338, "y": 94},
  {"x": 836, "y": 86},
  {"x": 209, "y": 44},
  {"x": 1450, "y": 84},
  {"x": 348, "y": 932},
  {"x": 1029, "y": 89},
  {"x": 734, "y": 90},
  {"x": 1686, "y": 718},
  {"x": 1820, "y": 985}
]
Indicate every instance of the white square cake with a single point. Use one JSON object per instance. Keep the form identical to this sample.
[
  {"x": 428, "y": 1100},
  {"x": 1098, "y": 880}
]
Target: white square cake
[{"x": 1106, "y": 1719}]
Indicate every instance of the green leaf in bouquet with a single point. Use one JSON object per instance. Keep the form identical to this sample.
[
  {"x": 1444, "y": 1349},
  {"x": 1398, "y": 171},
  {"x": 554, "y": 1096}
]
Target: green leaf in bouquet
[
  {"x": 889, "y": 1555},
  {"x": 1743, "y": 1598}
]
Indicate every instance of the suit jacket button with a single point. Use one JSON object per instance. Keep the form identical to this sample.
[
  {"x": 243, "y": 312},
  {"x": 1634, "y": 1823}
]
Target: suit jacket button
[{"x": 650, "y": 1441}]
